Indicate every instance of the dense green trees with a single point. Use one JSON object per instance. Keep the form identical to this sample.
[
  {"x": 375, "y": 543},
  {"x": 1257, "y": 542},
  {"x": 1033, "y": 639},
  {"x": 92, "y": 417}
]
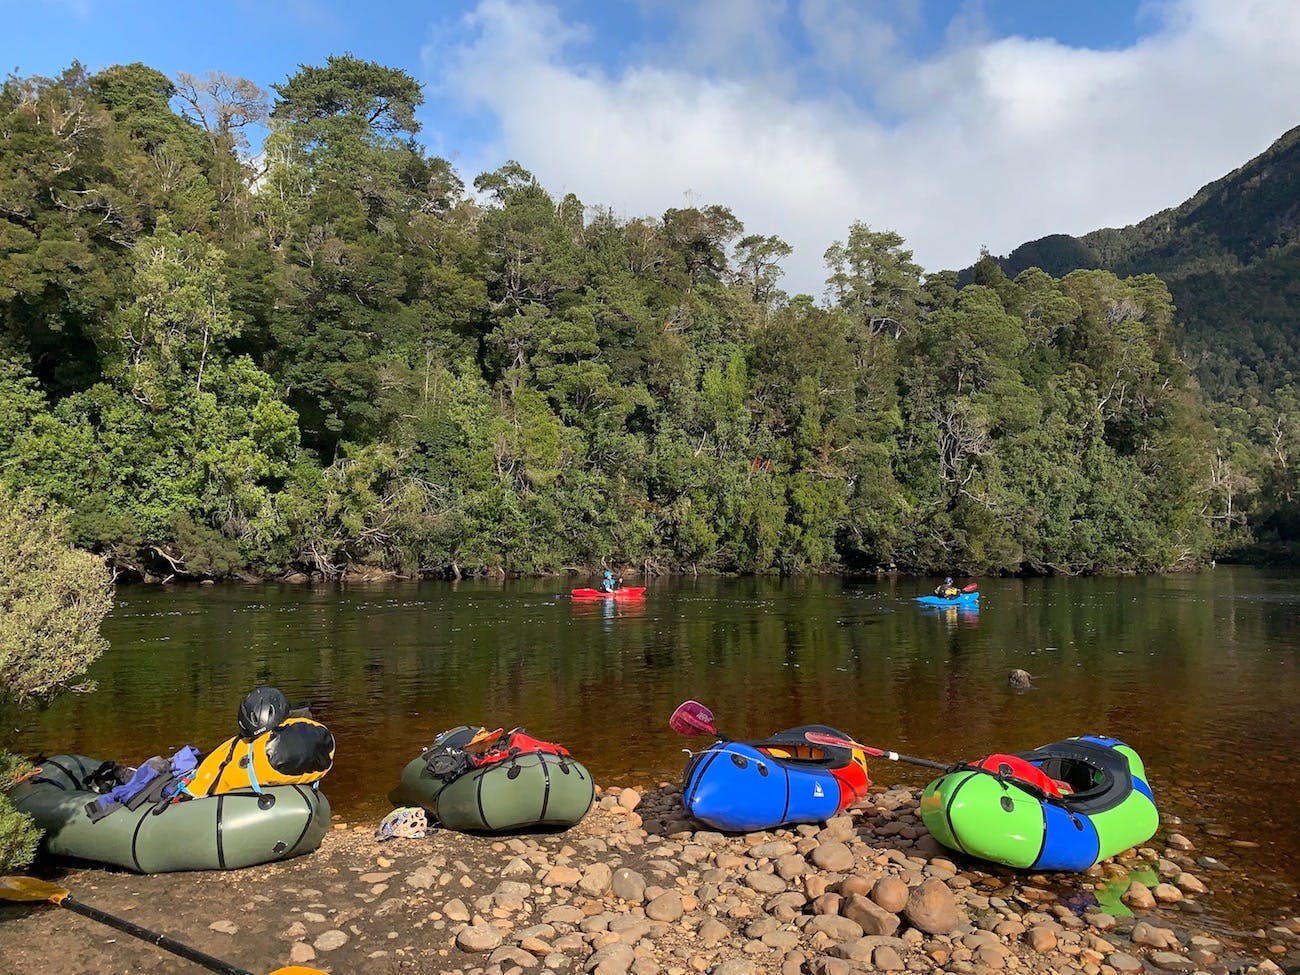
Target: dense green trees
[
  {"x": 1230, "y": 256},
  {"x": 341, "y": 357}
]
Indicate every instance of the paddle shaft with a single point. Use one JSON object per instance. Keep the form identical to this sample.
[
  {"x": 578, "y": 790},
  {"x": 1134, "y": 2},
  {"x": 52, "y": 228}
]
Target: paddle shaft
[
  {"x": 153, "y": 937},
  {"x": 910, "y": 759},
  {"x": 821, "y": 738}
]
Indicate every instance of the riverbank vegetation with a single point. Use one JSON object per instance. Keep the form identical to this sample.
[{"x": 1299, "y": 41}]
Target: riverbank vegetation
[
  {"x": 52, "y": 600},
  {"x": 336, "y": 353}
]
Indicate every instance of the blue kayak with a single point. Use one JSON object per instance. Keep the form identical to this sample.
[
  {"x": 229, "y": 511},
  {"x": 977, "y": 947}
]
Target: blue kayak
[{"x": 964, "y": 599}]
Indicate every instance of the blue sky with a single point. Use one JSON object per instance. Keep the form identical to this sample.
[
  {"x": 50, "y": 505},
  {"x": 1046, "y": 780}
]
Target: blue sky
[{"x": 959, "y": 124}]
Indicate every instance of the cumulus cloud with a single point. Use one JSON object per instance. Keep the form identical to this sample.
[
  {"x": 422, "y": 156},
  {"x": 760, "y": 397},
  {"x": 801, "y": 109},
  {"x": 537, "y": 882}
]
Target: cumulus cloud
[{"x": 988, "y": 141}]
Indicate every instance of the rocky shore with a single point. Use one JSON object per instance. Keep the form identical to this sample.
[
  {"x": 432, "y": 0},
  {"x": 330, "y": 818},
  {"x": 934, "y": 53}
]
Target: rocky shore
[{"x": 639, "y": 887}]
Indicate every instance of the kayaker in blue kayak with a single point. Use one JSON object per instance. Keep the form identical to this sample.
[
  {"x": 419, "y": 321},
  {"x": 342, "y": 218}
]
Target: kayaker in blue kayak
[
  {"x": 607, "y": 584},
  {"x": 947, "y": 590}
]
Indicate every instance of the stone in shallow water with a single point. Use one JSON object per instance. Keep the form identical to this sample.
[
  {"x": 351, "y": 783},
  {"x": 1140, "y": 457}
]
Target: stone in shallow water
[{"x": 1171, "y": 962}]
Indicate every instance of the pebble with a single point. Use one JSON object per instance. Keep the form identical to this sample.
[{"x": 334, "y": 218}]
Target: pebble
[
  {"x": 1138, "y": 897},
  {"x": 932, "y": 908},
  {"x": 300, "y": 953},
  {"x": 832, "y": 857},
  {"x": 478, "y": 938},
  {"x": 224, "y": 927},
  {"x": 330, "y": 940}
]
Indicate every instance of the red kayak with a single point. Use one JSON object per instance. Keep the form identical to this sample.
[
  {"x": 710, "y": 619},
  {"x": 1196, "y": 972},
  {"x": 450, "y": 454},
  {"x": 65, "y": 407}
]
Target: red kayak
[{"x": 626, "y": 592}]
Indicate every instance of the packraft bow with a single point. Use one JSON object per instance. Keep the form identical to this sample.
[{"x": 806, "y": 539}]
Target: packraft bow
[
  {"x": 1065, "y": 806},
  {"x": 158, "y": 834},
  {"x": 744, "y": 786},
  {"x": 475, "y": 780}
]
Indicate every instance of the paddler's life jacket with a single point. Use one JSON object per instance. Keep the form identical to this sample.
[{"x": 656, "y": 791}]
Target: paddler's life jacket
[{"x": 298, "y": 751}]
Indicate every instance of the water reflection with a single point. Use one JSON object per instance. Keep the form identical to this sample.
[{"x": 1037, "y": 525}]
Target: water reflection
[{"x": 954, "y": 616}]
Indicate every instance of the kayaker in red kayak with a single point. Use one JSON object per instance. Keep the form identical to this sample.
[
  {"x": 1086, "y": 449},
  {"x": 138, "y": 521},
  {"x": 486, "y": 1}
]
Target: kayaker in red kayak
[{"x": 607, "y": 584}]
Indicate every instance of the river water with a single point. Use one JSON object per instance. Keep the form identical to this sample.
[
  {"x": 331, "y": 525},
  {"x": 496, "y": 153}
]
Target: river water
[{"x": 1200, "y": 673}]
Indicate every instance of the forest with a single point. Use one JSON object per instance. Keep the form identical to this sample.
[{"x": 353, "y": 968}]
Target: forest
[{"x": 329, "y": 354}]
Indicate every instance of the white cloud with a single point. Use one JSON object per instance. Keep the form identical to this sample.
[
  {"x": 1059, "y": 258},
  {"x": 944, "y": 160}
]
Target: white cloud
[{"x": 991, "y": 141}]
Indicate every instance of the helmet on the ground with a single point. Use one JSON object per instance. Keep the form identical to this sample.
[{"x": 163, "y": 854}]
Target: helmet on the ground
[{"x": 262, "y": 709}]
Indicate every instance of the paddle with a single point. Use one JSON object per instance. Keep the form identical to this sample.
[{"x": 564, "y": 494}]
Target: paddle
[
  {"x": 1013, "y": 767},
  {"x": 692, "y": 718},
  {"x": 822, "y": 738},
  {"x": 32, "y": 891}
]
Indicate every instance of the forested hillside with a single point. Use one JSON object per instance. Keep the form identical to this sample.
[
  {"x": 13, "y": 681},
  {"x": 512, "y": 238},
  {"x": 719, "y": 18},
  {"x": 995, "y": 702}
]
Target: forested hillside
[
  {"x": 1231, "y": 258},
  {"x": 333, "y": 353}
]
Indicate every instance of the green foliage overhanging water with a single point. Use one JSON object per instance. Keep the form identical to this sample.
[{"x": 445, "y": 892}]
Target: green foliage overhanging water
[{"x": 332, "y": 354}]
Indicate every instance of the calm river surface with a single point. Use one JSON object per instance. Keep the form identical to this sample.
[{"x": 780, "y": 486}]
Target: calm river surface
[{"x": 1200, "y": 673}]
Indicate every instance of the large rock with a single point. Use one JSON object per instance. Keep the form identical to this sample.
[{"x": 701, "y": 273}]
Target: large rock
[
  {"x": 791, "y": 866},
  {"x": 511, "y": 894},
  {"x": 628, "y": 884},
  {"x": 478, "y": 938},
  {"x": 1042, "y": 938},
  {"x": 1123, "y": 962},
  {"x": 712, "y": 931},
  {"x": 886, "y": 959},
  {"x": 890, "y": 893},
  {"x": 508, "y": 956},
  {"x": 1138, "y": 897},
  {"x": 562, "y": 876},
  {"x": 516, "y": 869},
  {"x": 1171, "y": 962},
  {"x": 596, "y": 879},
  {"x": 764, "y": 882},
  {"x": 835, "y": 927},
  {"x": 833, "y": 857},
  {"x": 932, "y": 908},
  {"x": 1153, "y": 937},
  {"x": 330, "y": 940},
  {"x": 1189, "y": 884},
  {"x": 1167, "y": 894},
  {"x": 825, "y": 965},
  {"x": 870, "y": 916},
  {"x": 611, "y": 960},
  {"x": 665, "y": 907}
]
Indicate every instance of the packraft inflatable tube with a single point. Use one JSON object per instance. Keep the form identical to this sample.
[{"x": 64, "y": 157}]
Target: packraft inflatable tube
[
  {"x": 745, "y": 786},
  {"x": 524, "y": 790},
  {"x": 988, "y": 813},
  {"x": 224, "y": 832},
  {"x": 964, "y": 599}
]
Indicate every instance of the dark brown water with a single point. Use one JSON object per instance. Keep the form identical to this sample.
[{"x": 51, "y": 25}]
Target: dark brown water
[{"x": 1201, "y": 674}]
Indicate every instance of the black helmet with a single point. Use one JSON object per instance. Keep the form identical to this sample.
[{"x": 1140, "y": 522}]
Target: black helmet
[{"x": 261, "y": 710}]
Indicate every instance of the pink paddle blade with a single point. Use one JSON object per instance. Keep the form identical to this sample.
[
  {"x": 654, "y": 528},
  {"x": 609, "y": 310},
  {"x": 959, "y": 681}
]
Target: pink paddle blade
[
  {"x": 692, "y": 718},
  {"x": 835, "y": 741}
]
